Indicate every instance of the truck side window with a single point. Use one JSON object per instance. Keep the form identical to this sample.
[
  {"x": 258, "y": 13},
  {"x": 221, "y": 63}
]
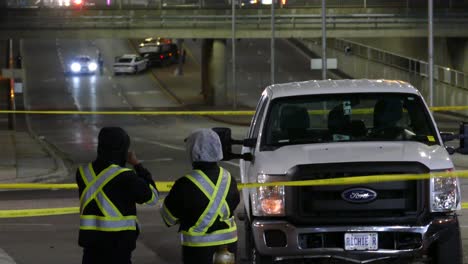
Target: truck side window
[{"x": 257, "y": 119}]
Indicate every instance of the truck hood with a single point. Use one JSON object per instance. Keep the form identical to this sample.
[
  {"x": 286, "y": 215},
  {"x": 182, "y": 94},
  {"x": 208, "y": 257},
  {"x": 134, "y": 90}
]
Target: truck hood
[{"x": 282, "y": 159}]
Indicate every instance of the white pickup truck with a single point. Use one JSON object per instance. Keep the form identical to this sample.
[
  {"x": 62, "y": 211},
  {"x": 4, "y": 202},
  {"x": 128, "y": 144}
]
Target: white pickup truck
[
  {"x": 129, "y": 63},
  {"x": 345, "y": 128}
]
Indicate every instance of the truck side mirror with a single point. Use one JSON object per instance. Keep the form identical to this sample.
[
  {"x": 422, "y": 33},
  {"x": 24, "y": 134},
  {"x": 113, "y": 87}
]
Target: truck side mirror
[
  {"x": 463, "y": 149},
  {"x": 249, "y": 142},
  {"x": 450, "y": 150},
  {"x": 448, "y": 136},
  {"x": 224, "y": 134}
]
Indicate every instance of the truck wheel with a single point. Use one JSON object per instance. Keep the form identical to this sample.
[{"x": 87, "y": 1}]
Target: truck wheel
[
  {"x": 253, "y": 256},
  {"x": 448, "y": 248}
]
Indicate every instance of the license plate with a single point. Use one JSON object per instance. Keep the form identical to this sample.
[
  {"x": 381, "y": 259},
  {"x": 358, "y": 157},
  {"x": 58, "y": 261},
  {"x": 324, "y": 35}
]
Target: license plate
[{"x": 361, "y": 241}]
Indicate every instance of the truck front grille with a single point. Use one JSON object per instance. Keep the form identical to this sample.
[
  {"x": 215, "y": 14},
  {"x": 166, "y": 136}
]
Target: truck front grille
[{"x": 325, "y": 204}]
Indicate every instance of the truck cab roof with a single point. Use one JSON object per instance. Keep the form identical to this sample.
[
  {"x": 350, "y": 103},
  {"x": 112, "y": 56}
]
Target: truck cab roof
[{"x": 339, "y": 87}]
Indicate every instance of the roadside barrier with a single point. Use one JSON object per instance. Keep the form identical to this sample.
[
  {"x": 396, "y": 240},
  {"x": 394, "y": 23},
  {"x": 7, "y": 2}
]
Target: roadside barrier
[{"x": 166, "y": 186}]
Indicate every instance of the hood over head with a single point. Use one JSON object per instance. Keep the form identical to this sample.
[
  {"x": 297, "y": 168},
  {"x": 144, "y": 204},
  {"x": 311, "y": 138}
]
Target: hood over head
[
  {"x": 113, "y": 145},
  {"x": 204, "y": 145}
]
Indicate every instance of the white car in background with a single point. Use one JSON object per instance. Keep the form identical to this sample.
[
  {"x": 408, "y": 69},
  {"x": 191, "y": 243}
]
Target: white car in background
[
  {"x": 82, "y": 64},
  {"x": 129, "y": 63}
]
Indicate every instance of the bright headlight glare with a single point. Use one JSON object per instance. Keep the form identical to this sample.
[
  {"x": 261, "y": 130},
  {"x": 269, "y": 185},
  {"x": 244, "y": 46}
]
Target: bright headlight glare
[
  {"x": 75, "y": 67},
  {"x": 268, "y": 200},
  {"x": 445, "y": 194},
  {"x": 92, "y": 66}
]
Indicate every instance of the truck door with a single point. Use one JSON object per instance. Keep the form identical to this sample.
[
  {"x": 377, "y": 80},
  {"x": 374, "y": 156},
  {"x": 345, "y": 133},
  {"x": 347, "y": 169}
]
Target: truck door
[{"x": 248, "y": 171}]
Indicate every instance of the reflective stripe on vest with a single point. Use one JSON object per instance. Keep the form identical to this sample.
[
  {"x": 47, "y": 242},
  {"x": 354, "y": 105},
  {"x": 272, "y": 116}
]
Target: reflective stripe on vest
[
  {"x": 154, "y": 196},
  {"x": 196, "y": 235},
  {"x": 103, "y": 202},
  {"x": 112, "y": 220},
  {"x": 207, "y": 187},
  {"x": 226, "y": 236},
  {"x": 88, "y": 222},
  {"x": 167, "y": 216}
]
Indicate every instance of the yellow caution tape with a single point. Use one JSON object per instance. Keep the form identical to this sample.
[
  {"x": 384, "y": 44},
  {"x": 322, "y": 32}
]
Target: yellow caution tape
[
  {"x": 448, "y": 108},
  {"x": 38, "y": 212},
  {"x": 38, "y": 186},
  {"x": 65, "y": 210},
  {"x": 166, "y": 186},
  {"x": 162, "y": 186},
  {"x": 53, "y": 112},
  {"x": 199, "y": 113}
]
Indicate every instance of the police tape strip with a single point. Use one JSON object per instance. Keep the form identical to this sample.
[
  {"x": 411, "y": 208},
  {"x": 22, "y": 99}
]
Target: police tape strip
[
  {"x": 166, "y": 186},
  {"x": 38, "y": 212},
  {"x": 202, "y": 113},
  {"x": 162, "y": 186},
  {"x": 64, "y": 211},
  {"x": 47, "y": 112}
]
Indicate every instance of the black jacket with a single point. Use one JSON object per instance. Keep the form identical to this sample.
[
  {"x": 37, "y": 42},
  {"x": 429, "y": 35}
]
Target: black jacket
[
  {"x": 186, "y": 202},
  {"x": 125, "y": 190}
]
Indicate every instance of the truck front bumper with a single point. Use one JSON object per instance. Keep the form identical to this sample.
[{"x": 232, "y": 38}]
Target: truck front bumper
[{"x": 282, "y": 240}]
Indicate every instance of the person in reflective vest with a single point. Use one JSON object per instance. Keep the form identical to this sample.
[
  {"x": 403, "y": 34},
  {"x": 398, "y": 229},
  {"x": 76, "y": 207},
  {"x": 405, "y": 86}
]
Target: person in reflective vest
[
  {"x": 203, "y": 201},
  {"x": 108, "y": 195}
]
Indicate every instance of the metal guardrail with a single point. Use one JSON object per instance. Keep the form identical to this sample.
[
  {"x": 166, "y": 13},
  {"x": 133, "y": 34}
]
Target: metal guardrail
[
  {"x": 412, "y": 65},
  {"x": 84, "y": 19},
  {"x": 162, "y": 4}
]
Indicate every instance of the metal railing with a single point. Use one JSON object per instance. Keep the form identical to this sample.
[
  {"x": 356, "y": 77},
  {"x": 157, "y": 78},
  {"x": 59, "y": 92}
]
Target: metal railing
[
  {"x": 93, "y": 19},
  {"x": 442, "y": 74},
  {"x": 241, "y": 3}
]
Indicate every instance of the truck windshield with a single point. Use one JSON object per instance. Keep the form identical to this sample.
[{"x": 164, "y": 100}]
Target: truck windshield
[{"x": 348, "y": 117}]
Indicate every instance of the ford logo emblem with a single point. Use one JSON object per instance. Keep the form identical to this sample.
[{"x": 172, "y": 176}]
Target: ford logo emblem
[{"x": 359, "y": 195}]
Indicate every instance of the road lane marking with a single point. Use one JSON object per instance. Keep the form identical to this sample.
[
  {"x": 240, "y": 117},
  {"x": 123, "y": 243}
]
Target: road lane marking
[
  {"x": 174, "y": 147},
  {"x": 231, "y": 162},
  {"x": 158, "y": 160},
  {"x": 142, "y": 92},
  {"x": 160, "y": 144}
]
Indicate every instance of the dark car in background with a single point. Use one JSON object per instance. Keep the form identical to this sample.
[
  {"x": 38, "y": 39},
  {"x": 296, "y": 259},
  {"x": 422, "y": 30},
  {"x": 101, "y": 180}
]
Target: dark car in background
[{"x": 159, "y": 51}]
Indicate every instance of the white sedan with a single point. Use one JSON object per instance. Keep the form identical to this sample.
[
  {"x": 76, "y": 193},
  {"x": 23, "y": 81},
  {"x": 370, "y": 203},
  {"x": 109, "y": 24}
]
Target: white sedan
[
  {"x": 82, "y": 65},
  {"x": 129, "y": 63}
]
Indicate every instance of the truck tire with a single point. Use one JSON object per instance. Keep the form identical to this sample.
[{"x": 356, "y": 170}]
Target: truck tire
[
  {"x": 448, "y": 248},
  {"x": 253, "y": 256}
]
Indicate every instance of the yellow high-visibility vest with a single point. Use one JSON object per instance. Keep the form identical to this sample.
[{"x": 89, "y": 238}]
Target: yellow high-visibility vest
[
  {"x": 112, "y": 219},
  {"x": 197, "y": 235}
]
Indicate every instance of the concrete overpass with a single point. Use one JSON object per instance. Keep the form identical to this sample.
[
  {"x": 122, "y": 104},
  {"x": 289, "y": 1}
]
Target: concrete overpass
[
  {"x": 217, "y": 23},
  {"x": 214, "y": 25}
]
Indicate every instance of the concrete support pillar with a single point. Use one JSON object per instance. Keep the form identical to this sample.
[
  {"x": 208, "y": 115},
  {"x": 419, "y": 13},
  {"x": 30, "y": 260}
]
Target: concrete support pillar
[
  {"x": 214, "y": 71},
  {"x": 179, "y": 71}
]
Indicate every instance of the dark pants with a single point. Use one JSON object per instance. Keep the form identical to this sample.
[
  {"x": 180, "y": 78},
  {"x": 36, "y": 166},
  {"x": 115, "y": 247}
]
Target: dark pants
[
  {"x": 96, "y": 256},
  {"x": 203, "y": 255}
]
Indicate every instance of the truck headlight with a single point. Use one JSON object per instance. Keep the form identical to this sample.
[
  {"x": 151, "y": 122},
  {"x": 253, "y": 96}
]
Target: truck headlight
[
  {"x": 445, "y": 194},
  {"x": 268, "y": 200}
]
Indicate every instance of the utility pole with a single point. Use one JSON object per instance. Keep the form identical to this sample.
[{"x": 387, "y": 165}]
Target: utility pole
[
  {"x": 272, "y": 43},
  {"x": 324, "y": 41},
  {"x": 233, "y": 59},
  {"x": 431, "y": 52},
  {"x": 11, "y": 94}
]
